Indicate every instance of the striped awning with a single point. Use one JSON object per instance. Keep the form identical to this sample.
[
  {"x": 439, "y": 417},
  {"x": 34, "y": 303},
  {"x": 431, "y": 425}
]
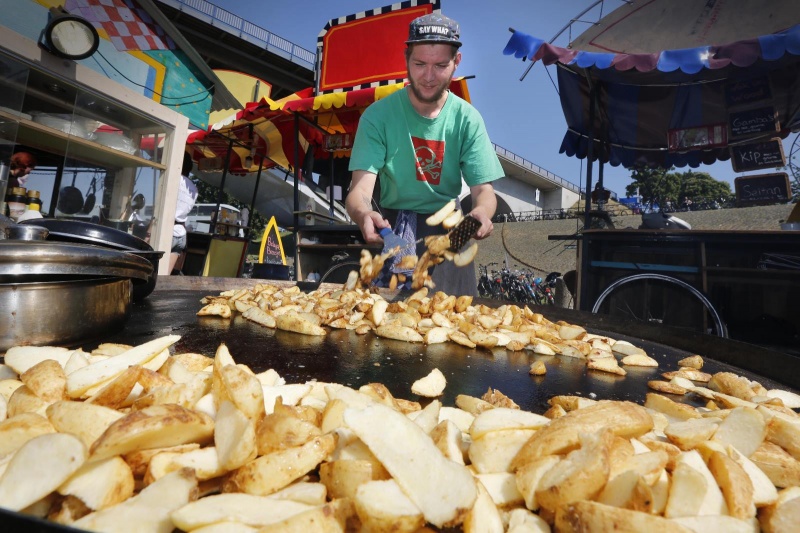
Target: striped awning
[{"x": 265, "y": 130}]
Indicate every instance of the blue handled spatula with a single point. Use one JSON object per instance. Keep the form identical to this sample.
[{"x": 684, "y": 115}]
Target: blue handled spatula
[{"x": 391, "y": 240}]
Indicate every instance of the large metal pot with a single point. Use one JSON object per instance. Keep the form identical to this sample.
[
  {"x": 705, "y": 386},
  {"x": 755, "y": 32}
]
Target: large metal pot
[
  {"x": 59, "y": 293},
  {"x": 62, "y": 312}
]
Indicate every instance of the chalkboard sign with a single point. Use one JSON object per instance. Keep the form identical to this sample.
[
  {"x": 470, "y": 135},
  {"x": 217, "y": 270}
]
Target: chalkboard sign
[
  {"x": 752, "y": 122},
  {"x": 755, "y": 156},
  {"x": 750, "y": 91},
  {"x": 764, "y": 189},
  {"x": 271, "y": 245}
]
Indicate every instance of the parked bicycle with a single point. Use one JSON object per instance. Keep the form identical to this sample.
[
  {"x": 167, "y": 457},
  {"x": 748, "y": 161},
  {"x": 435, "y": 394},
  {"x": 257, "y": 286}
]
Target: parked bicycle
[{"x": 518, "y": 286}]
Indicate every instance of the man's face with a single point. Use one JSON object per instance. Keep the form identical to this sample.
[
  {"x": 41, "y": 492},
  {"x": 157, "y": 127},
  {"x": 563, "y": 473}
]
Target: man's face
[
  {"x": 430, "y": 69},
  {"x": 23, "y": 166}
]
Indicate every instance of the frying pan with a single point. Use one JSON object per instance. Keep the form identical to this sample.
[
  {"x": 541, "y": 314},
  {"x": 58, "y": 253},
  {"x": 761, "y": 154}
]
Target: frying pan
[
  {"x": 88, "y": 204},
  {"x": 70, "y": 198}
]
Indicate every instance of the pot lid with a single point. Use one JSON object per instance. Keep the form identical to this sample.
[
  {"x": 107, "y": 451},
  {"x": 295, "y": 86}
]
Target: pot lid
[
  {"x": 33, "y": 260},
  {"x": 78, "y": 231}
]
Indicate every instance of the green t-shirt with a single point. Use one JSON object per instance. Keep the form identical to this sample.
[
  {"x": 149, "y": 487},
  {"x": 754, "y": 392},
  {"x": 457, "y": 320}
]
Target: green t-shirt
[{"x": 420, "y": 161}]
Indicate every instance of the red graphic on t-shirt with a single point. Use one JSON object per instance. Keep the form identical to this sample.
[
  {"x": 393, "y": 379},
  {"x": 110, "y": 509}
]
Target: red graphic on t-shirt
[{"x": 430, "y": 155}]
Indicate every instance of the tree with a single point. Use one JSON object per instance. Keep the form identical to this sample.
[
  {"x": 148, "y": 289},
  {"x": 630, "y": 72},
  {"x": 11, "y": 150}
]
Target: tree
[{"x": 656, "y": 186}]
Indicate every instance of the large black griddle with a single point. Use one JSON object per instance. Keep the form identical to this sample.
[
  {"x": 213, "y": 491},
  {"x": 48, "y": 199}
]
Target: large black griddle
[{"x": 345, "y": 357}]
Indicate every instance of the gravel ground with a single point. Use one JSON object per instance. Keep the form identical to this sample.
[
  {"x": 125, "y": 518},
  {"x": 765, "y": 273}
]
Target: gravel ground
[{"x": 525, "y": 244}]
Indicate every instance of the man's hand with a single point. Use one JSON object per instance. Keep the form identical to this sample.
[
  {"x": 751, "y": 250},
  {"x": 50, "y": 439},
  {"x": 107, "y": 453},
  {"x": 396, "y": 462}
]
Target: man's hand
[
  {"x": 370, "y": 224},
  {"x": 484, "y": 204}
]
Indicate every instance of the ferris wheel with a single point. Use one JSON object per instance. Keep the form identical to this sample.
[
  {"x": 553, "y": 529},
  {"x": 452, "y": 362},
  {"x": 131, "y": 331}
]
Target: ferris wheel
[{"x": 793, "y": 161}]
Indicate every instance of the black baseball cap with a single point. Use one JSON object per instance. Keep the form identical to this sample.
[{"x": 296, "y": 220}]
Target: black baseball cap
[{"x": 434, "y": 29}]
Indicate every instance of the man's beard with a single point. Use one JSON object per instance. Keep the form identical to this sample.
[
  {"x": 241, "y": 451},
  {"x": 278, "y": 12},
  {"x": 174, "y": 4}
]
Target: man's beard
[{"x": 427, "y": 100}]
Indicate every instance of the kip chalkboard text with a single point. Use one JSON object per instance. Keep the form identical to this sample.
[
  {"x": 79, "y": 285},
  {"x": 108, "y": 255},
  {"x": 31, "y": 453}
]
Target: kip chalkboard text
[{"x": 755, "y": 156}]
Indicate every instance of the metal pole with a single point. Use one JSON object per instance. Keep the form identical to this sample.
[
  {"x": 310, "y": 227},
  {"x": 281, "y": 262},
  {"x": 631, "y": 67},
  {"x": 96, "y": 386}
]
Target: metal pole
[
  {"x": 221, "y": 194},
  {"x": 331, "y": 187},
  {"x": 296, "y": 189},
  {"x": 583, "y": 292},
  {"x": 253, "y": 201}
]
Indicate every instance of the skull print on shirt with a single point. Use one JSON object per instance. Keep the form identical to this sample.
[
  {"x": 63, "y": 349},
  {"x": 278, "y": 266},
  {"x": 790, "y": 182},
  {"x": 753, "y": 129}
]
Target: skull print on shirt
[{"x": 430, "y": 156}]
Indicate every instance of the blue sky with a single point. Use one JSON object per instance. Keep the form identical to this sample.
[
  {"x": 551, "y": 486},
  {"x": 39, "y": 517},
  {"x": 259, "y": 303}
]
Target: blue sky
[{"x": 524, "y": 117}]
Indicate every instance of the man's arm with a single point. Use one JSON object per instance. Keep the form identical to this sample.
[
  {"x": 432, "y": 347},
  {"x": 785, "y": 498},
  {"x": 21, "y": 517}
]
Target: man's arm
[
  {"x": 359, "y": 205},
  {"x": 484, "y": 205}
]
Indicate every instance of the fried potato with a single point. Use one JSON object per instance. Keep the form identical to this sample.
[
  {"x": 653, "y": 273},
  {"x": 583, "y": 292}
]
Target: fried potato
[
  {"x": 784, "y": 514},
  {"x": 639, "y": 359},
  {"x": 87, "y": 377},
  {"x": 394, "y": 330},
  {"x": 153, "y": 427},
  {"x": 343, "y": 477},
  {"x": 443, "y": 212},
  {"x": 744, "y": 429},
  {"x": 294, "y": 322},
  {"x": 528, "y": 478},
  {"x": 442, "y": 489},
  {"x": 333, "y": 516},
  {"x": 594, "y": 517},
  {"x": 23, "y": 400},
  {"x": 431, "y": 385},
  {"x": 735, "y": 484},
  {"x": 279, "y": 431},
  {"x": 215, "y": 309},
  {"x": 625, "y": 419},
  {"x": 383, "y": 506},
  {"x": 494, "y": 451},
  {"x": 16, "y": 431},
  {"x": 46, "y": 380},
  {"x": 687, "y": 434},
  {"x": 21, "y": 358},
  {"x": 84, "y": 420},
  {"x": 484, "y": 515},
  {"x": 694, "y": 361},
  {"x": 467, "y": 256},
  {"x": 785, "y": 434},
  {"x": 580, "y": 475},
  {"x": 149, "y": 510},
  {"x": 38, "y": 467},
  {"x": 100, "y": 484},
  {"x": 505, "y": 418},
  {"x": 673, "y": 409},
  {"x": 272, "y": 472},
  {"x": 234, "y": 436}
]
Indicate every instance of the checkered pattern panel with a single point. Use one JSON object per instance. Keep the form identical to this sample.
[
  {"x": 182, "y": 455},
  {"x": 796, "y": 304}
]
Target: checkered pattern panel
[{"x": 128, "y": 26}]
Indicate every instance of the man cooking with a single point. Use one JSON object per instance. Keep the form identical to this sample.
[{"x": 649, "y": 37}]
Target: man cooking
[
  {"x": 21, "y": 165},
  {"x": 418, "y": 143}
]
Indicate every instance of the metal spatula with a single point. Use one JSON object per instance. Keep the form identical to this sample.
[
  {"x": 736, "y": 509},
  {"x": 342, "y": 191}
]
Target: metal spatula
[
  {"x": 392, "y": 240},
  {"x": 463, "y": 232}
]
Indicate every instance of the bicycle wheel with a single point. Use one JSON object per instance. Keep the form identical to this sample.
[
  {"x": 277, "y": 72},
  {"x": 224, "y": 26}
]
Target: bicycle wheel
[
  {"x": 656, "y": 298},
  {"x": 338, "y": 273}
]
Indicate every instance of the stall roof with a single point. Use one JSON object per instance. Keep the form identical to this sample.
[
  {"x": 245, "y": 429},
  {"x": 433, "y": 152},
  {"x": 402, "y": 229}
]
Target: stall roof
[
  {"x": 641, "y": 97},
  {"x": 268, "y": 126}
]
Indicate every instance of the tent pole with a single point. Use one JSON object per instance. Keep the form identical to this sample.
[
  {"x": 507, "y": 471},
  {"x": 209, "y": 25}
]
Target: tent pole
[
  {"x": 221, "y": 194},
  {"x": 296, "y": 187},
  {"x": 331, "y": 186},
  {"x": 583, "y": 292},
  {"x": 253, "y": 201}
]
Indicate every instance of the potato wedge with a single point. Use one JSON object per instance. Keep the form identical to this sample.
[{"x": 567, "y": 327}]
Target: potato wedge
[
  {"x": 16, "y": 431},
  {"x": 39, "y": 467},
  {"x": 272, "y": 472},
  {"x": 149, "y": 510},
  {"x": 431, "y": 385},
  {"x": 153, "y": 427},
  {"x": 100, "y": 484},
  {"x": 594, "y": 517},
  {"x": 46, "y": 380},
  {"x": 443, "y": 212},
  {"x": 735, "y": 485},
  {"x": 89, "y": 376},
  {"x": 383, "y": 506},
  {"x": 234, "y": 436},
  {"x": 625, "y": 419},
  {"x": 442, "y": 489}
]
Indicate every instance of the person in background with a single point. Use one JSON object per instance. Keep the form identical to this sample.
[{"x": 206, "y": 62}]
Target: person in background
[
  {"x": 417, "y": 143},
  {"x": 22, "y": 163},
  {"x": 187, "y": 196}
]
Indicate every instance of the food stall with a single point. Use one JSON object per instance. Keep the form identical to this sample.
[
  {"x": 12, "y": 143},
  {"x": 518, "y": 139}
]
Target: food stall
[{"x": 225, "y": 401}]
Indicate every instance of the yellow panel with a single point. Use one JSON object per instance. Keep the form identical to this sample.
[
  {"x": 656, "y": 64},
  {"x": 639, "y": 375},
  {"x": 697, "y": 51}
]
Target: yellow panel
[
  {"x": 223, "y": 258},
  {"x": 243, "y": 87}
]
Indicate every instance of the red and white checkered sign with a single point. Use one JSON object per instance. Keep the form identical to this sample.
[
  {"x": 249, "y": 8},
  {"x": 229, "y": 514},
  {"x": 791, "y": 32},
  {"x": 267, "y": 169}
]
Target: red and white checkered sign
[{"x": 128, "y": 26}]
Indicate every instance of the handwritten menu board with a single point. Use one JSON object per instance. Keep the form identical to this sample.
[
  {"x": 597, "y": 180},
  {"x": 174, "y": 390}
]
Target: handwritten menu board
[
  {"x": 271, "y": 245},
  {"x": 755, "y": 156},
  {"x": 764, "y": 189},
  {"x": 752, "y": 122}
]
